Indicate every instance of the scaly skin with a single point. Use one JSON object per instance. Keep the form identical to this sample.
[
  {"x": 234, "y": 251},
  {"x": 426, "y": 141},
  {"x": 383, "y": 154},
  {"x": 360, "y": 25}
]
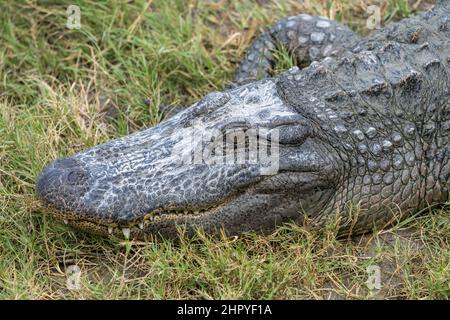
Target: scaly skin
[
  {"x": 367, "y": 126},
  {"x": 308, "y": 38}
]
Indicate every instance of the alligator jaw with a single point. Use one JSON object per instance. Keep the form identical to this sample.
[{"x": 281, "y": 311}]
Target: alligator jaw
[
  {"x": 131, "y": 229},
  {"x": 254, "y": 210}
]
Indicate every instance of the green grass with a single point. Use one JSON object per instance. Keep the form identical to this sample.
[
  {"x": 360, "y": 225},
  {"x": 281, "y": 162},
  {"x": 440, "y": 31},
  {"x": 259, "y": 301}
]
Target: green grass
[
  {"x": 65, "y": 90},
  {"x": 400, "y": 8}
]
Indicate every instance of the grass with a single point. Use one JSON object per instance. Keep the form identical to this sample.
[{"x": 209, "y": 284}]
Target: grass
[{"x": 64, "y": 90}]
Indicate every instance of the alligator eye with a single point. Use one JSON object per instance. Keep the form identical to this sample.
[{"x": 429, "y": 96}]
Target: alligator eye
[{"x": 291, "y": 134}]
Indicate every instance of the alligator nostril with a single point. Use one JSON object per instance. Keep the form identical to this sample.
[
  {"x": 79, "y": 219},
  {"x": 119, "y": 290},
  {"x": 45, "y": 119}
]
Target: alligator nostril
[
  {"x": 62, "y": 179},
  {"x": 76, "y": 176}
]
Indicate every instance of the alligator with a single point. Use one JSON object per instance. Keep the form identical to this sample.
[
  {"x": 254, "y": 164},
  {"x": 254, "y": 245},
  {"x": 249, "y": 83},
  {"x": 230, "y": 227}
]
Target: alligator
[{"x": 358, "y": 136}]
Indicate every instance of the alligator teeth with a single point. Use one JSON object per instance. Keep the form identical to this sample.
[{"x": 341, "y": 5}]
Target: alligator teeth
[
  {"x": 141, "y": 225},
  {"x": 66, "y": 221},
  {"x": 126, "y": 233},
  {"x": 110, "y": 230}
]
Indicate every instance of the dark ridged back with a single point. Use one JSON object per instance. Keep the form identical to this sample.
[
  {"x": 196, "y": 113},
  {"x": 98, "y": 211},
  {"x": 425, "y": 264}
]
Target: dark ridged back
[{"x": 385, "y": 109}]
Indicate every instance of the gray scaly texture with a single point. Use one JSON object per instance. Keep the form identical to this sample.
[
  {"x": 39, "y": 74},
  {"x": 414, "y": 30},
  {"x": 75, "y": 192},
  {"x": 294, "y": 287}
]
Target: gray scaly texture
[{"x": 308, "y": 38}]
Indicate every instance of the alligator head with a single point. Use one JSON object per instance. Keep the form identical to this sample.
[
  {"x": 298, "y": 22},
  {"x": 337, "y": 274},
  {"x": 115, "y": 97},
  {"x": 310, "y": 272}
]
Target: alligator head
[{"x": 240, "y": 160}]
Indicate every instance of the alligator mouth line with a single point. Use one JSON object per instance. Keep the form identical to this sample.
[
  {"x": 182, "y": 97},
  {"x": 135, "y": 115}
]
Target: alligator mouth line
[{"x": 132, "y": 228}]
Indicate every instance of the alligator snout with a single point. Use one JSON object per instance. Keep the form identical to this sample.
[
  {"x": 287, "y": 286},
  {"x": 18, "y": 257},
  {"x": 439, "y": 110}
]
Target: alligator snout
[{"x": 63, "y": 182}]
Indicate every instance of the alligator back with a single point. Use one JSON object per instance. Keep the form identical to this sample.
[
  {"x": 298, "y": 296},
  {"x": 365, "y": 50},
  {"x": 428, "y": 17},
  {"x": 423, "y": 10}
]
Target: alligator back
[{"x": 385, "y": 109}]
